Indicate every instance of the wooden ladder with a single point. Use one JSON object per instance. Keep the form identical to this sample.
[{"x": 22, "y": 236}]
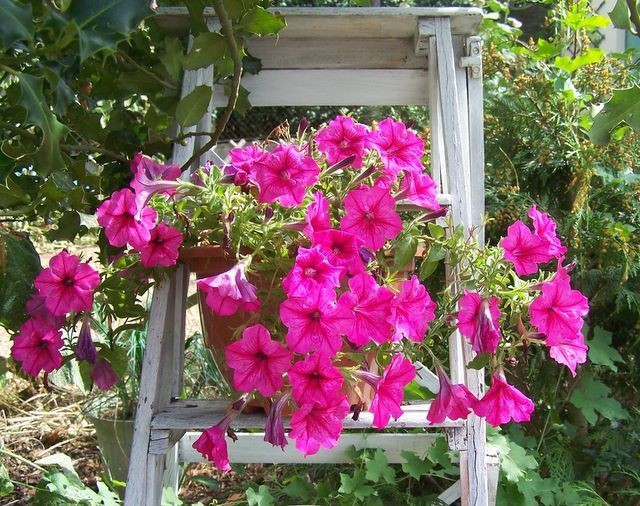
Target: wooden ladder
[{"x": 326, "y": 56}]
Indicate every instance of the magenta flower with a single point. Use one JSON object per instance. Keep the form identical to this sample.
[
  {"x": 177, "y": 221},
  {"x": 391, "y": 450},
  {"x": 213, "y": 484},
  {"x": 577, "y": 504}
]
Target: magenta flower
[
  {"x": 453, "y": 401},
  {"x": 37, "y": 346},
  {"x": 162, "y": 248},
  {"x": 370, "y": 215},
  {"x": 389, "y": 389},
  {"x": 103, "y": 375},
  {"x": 124, "y": 221},
  {"x": 342, "y": 249},
  {"x": 311, "y": 270},
  {"x": 419, "y": 189},
  {"x": 274, "y": 427},
  {"x": 525, "y": 249},
  {"x": 342, "y": 138},
  {"x": 569, "y": 352},
  {"x": 230, "y": 291},
  {"x": 367, "y": 307},
  {"x": 285, "y": 175},
  {"x": 67, "y": 285},
  {"x": 314, "y": 322},
  {"x": 315, "y": 425},
  {"x": 85, "y": 349},
  {"x": 478, "y": 321},
  {"x": 559, "y": 311},
  {"x": 399, "y": 148},
  {"x": 243, "y": 161},
  {"x": 411, "y": 311},
  {"x": 503, "y": 403},
  {"x": 145, "y": 170},
  {"x": 315, "y": 378},
  {"x": 318, "y": 217},
  {"x": 257, "y": 361},
  {"x": 545, "y": 229},
  {"x": 37, "y": 310}
]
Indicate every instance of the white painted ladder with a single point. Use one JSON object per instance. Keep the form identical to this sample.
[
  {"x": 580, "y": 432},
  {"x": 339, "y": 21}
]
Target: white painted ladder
[{"x": 327, "y": 56}]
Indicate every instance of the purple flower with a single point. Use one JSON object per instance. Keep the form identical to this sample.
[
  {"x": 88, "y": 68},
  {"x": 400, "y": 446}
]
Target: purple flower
[
  {"x": 103, "y": 374},
  {"x": 85, "y": 349},
  {"x": 274, "y": 428}
]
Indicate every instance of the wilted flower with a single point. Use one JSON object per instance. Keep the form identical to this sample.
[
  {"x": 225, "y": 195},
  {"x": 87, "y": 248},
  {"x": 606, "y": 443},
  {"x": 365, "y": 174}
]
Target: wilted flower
[
  {"x": 478, "y": 321},
  {"x": 103, "y": 375},
  {"x": 274, "y": 427},
  {"x": 85, "y": 349},
  {"x": 230, "y": 291}
]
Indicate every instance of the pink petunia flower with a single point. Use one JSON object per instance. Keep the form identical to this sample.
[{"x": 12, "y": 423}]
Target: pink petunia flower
[
  {"x": 318, "y": 218},
  {"x": 545, "y": 229},
  {"x": 311, "y": 270},
  {"x": 389, "y": 389},
  {"x": 503, "y": 403},
  {"x": 257, "y": 361},
  {"x": 284, "y": 175},
  {"x": 411, "y": 311},
  {"x": 559, "y": 311},
  {"x": 453, "y": 401},
  {"x": 569, "y": 352},
  {"x": 85, "y": 349},
  {"x": 399, "y": 148},
  {"x": 478, "y": 321},
  {"x": 525, "y": 249},
  {"x": 230, "y": 291},
  {"x": 419, "y": 189},
  {"x": 368, "y": 309},
  {"x": 342, "y": 138},
  {"x": 342, "y": 249},
  {"x": 315, "y": 378},
  {"x": 243, "y": 160},
  {"x": 37, "y": 310},
  {"x": 124, "y": 221},
  {"x": 37, "y": 346},
  {"x": 103, "y": 375},
  {"x": 146, "y": 172},
  {"x": 162, "y": 248},
  {"x": 314, "y": 322},
  {"x": 315, "y": 425},
  {"x": 274, "y": 426},
  {"x": 370, "y": 215},
  {"x": 67, "y": 285}
]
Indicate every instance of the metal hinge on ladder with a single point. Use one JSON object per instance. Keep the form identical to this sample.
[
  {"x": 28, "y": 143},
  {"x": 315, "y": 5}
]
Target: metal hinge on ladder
[{"x": 473, "y": 60}]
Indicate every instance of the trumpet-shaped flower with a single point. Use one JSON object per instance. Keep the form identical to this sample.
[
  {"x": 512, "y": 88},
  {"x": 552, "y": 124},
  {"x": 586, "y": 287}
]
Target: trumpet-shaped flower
[
  {"x": 229, "y": 291},
  {"x": 525, "y": 249},
  {"x": 145, "y": 170},
  {"x": 315, "y": 378},
  {"x": 453, "y": 401},
  {"x": 314, "y": 322},
  {"x": 370, "y": 215},
  {"x": 37, "y": 346},
  {"x": 342, "y": 138},
  {"x": 85, "y": 349},
  {"x": 367, "y": 307},
  {"x": 162, "y": 248},
  {"x": 411, "y": 311},
  {"x": 274, "y": 426},
  {"x": 125, "y": 221},
  {"x": 569, "y": 352},
  {"x": 545, "y": 229},
  {"x": 559, "y": 311},
  {"x": 284, "y": 175},
  {"x": 419, "y": 189},
  {"x": 103, "y": 375},
  {"x": 257, "y": 361},
  {"x": 503, "y": 403},
  {"x": 399, "y": 148},
  {"x": 67, "y": 285},
  {"x": 342, "y": 249},
  {"x": 478, "y": 321},
  {"x": 311, "y": 270},
  {"x": 318, "y": 218},
  {"x": 315, "y": 425}
]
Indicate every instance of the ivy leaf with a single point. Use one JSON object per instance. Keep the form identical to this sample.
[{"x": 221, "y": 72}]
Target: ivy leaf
[
  {"x": 414, "y": 465},
  {"x": 38, "y": 113},
  {"x": 261, "y": 22},
  {"x": 16, "y": 22},
  {"x": 516, "y": 463},
  {"x": 193, "y": 106},
  {"x": 592, "y": 397},
  {"x": 623, "y": 107},
  {"x": 439, "y": 454},
  {"x": 298, "y": 488},
  {"x": 378, "y": 467},
  {"x": 260, "y": 498},
  {"x": 600, "y": 350},
  {"x": 355, "y": 485}
]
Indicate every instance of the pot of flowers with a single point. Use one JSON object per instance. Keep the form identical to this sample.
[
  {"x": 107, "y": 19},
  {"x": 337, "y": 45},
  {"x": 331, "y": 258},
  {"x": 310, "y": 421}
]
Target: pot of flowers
[{"x": 306, "y": 236}]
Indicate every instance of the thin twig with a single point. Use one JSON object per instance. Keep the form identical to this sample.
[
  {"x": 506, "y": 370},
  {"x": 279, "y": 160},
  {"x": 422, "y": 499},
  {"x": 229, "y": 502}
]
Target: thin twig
[
  {"x": 94, "y": 149},
  {"x": 227, "y": 31},
  {"x": 145, "y": 70}
]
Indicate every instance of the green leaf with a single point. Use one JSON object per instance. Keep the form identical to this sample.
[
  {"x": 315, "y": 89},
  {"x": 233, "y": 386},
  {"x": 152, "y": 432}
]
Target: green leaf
[
  {"x": 207, "y": 481},
  {"x": 620, "y": 15},
  {"x": 68, "y": 228},
  {"x": 600, "y": 350},
  {"x": 172, "y": 57},
  {"x": 436, "y": 231},
  {"x": 546, "y": 50},
  {"x": 297, "y": 488},
  {"x": 261, "y": 22},
  {"x": 430, "y": 264},
  {"x": 405, "y": 252},
  {"x": 439, "y": 454},
  {"x": 355, "y": 485},
  {"x": 623, "y": 107},
  {"x": 515, "y": 463},
  {"x": 592, "y": 396},
  {"x": 207, "y": 49},
  {"x": 378, "y": 468},
  {"x": 118, "y": 358},
  {"x": 193, "y": 106},
  {"x": 38, "y": 113},
  {"x": 6, "y": 486},
  {"x": 16, "y": 22},
  {"x": 196, "y": 15},
  {"x": 480, "y": 361},
  {"x": 414, "y": 465},
  {"x": 260, "y": 498},
  {"x": 570, "y": 65}
]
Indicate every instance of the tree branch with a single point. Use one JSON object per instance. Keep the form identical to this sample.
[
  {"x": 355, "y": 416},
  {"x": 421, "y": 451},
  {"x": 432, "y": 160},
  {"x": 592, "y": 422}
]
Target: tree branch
[
  {"x": 634, "y": 16},
  {"x": 227, "y": 31},
  {"x": 87, "y": 148}
]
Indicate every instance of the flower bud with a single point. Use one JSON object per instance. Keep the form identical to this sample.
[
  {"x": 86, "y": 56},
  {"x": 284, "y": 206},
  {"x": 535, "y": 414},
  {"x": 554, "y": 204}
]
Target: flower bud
[{"x": 85, "y": 349}]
